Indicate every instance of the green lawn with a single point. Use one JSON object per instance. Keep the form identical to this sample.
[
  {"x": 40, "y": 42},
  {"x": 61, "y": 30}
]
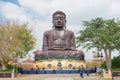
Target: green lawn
[{"x": 116, "y": 69}]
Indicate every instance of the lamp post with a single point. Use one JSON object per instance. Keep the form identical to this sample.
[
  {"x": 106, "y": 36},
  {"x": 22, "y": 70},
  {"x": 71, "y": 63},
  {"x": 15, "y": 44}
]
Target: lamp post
[
  {"x": 15, "y": 61},
  {"x": 100, "y": 55}
]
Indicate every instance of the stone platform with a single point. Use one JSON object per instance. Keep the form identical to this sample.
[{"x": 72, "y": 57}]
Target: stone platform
[{"x": 53, "y": 64}]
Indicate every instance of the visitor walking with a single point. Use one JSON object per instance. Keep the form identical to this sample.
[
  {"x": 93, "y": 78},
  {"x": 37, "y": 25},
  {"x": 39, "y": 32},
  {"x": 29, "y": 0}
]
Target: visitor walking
[
  {"x": 87, "y": 71},
  {"x": 81, "y": 72}
]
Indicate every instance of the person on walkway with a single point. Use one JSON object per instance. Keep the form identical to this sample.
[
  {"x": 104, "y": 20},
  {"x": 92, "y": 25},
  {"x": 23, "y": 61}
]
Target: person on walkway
[
  {"x": 87, "y": 70},
  {"x": 81, "y": 72}
]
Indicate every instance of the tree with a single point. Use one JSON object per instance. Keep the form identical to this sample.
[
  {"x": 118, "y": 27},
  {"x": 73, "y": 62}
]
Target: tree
[
  {"x": 15, "y": 41},
  {"x": 116, "y": 62},
  {"x": 104, "y": 35}
]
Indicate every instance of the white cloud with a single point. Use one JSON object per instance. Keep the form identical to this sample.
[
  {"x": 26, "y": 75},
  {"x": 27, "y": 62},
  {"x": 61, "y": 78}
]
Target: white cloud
[
  {"x": 14, "y": 12},
  {"x": 77, "y": 10},
  {"x": 1, "y": 4},
  {"x": 40, "y": 7},
  {"x": 114, "y": 10}
]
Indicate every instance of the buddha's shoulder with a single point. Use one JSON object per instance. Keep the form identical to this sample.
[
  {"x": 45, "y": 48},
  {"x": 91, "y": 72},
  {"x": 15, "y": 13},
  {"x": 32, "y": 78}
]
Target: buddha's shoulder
[
  {"x": 69, "y": 31},
  {"x": 48, "y": 31}
]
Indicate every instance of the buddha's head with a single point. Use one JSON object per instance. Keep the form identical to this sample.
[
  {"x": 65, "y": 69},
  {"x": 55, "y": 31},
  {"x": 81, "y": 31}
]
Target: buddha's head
[{"x": 59, "y": 19}]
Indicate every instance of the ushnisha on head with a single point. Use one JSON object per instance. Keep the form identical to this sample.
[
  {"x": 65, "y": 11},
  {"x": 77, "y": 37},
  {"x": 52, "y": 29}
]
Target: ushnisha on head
[{"x": 59, "y": 20}]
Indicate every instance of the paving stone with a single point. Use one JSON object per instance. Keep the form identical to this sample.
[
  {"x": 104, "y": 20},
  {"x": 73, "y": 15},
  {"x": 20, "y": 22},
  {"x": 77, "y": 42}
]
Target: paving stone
[{"x": 58, "y": 79}]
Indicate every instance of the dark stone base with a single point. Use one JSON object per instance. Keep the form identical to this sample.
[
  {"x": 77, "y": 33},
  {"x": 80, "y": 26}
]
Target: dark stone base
[{"x": 5, "y": 74}]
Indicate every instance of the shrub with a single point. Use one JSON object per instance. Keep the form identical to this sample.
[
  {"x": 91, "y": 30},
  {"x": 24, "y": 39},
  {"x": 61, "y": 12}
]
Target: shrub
[
  {"x": 9, "y": 67},
  {"x": 103, "y": 65}
]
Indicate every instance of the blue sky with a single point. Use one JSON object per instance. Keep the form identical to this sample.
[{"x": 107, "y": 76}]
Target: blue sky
[
  {"x": 38, "y": 14},
  {"x": 12, "y": 1}
]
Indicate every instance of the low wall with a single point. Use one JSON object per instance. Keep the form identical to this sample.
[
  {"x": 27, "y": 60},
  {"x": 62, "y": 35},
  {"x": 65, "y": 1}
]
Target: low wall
[
  {"x": 6, "y": 74},
  {"x": 56, "y": 71},
  {"x": 116, "y": 73}
]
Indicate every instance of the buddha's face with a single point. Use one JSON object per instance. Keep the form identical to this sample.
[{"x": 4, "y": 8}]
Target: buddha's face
[{"x": 59, "y": 21}]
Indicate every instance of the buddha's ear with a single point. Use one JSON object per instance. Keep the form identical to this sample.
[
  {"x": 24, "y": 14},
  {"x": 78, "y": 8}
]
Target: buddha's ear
[
  {"x": 65, "y": 20},
  {"x": 53, "y": 21},
  {"x": 53, "y": 24}
]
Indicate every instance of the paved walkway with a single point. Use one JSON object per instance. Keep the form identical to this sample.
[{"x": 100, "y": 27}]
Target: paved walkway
[{"x": 57, "y": 77}]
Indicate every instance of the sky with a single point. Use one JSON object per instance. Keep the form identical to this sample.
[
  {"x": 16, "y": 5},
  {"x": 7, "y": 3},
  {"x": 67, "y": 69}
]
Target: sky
[{"x": 38, "y": 15}]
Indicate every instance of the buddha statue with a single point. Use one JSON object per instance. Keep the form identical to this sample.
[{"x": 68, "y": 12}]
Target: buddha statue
[{"x": 59, "y": 42}]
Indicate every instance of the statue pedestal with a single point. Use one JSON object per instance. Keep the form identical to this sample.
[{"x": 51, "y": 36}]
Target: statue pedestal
[
  {"x": 107, "y": 74},
  {"x": 53, "y": 64}
]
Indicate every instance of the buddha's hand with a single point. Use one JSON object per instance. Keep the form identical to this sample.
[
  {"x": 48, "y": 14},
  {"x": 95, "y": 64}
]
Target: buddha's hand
[
  {"x": 67, "y": 48},
  {"x": 51, "y": 49}
]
